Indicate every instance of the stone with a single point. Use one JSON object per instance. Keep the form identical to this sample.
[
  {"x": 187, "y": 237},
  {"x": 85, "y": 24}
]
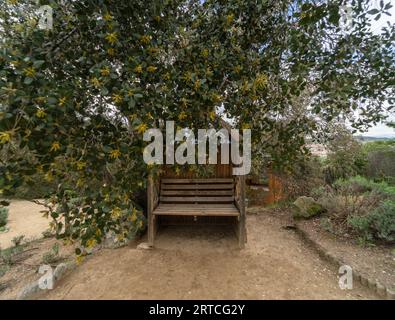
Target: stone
[
  {"x": 144, "y": 246},
  {"x": 307, "y": 207},
  {"x": 380, "y": 289},
  {"x": 60, "y": 270},
  {"x": 390, "y": 294},
  {"x": 28, "y": 291}
]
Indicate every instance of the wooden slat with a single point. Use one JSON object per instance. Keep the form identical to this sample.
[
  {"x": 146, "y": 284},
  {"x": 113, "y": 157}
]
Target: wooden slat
[
  {"x": 216, "y": 180},
  {"x": 196, "y": 199},
  {"x": 196, "y": 192},
  {"x": 196, "y": 186},
  {"x": 196, "y": 210}
]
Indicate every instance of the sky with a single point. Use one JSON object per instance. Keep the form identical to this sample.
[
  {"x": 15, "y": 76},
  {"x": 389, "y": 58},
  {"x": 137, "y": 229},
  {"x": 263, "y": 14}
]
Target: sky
[{"x": 381, "y": 130}]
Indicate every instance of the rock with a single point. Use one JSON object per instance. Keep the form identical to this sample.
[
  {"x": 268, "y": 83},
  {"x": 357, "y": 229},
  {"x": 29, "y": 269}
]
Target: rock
[
  {"x": 60, "y": 270},
  {"x": 307, "y": 207},
  {"x": 28, "y": 291},
  {"x": 144, "y": 246},
  {"x": 390, "y": 294},
  {"x": 380, "y": 289}
]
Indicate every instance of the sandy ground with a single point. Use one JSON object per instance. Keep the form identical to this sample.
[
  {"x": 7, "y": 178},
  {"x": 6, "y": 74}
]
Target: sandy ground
[
  {"x": 374, "y": 262},
  {"x": 204, "y": 263},
  {"x": 25, "y": 219}
]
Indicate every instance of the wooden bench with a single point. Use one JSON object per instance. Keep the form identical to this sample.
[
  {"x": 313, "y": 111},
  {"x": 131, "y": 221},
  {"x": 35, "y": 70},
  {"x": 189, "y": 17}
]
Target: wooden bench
[{"x": 218, "y": 197}]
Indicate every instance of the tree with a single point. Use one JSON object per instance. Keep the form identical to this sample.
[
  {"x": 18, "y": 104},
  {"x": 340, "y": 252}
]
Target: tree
[{"x": 80, "y": 96}]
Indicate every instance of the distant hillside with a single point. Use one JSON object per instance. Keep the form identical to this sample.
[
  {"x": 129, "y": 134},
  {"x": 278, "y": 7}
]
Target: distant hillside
[{"x": 371, "y": 138}]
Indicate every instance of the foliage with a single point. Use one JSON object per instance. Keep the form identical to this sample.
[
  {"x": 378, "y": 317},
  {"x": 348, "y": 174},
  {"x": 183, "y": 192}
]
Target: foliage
[
  {"x": 378, "y": 224},
  {"x": 7, "y": 255},
  {"x": 304, "y": 176},
  {"x": 52, "y": 256},
  {"x": 345, "y": 156},
  {"x": 80, "y": 96},
  {"x": 380, "y": 160},
  {"x": 3, "y": 216},
  {"x": 359, "y": 206}
]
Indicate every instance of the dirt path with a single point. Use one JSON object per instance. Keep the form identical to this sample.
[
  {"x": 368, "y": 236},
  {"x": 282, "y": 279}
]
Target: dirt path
[
  {"x": 191, "y": 263},
  {"x": 25, "y": 219}
]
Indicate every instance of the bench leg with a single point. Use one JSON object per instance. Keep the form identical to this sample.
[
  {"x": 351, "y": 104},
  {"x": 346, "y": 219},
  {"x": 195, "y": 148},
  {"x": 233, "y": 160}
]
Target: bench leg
[
  {"x": 241, "y": 232},
  {"x": 152, "y": 227}
]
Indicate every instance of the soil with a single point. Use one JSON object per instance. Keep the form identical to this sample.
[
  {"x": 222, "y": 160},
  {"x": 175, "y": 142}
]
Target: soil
[
  {"x": 205, "y": 263},
  {"x": 25, "y": 219},
  {"x": 25, "y": 270},
  {"x": 374, "y": 262}
]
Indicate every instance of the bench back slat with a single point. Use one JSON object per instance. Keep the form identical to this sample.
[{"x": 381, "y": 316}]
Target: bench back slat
[{"x": 197, "y": 191}]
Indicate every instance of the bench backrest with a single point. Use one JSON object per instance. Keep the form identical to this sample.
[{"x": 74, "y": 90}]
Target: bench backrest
[{"x": 199, "y": 191}]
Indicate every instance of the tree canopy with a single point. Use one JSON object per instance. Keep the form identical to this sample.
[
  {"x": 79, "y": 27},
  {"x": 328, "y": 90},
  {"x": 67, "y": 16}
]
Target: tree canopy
[{"x": 78, "y": 97}]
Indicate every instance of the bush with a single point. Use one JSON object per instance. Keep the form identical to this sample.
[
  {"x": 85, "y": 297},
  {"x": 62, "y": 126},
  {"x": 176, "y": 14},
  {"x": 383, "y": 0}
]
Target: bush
[
  {"x": 377, "y": 225},
  {"x": 51, "y": 256},
  {"x": 3, "y": 217},
  {"x": 360, "y": 207}
]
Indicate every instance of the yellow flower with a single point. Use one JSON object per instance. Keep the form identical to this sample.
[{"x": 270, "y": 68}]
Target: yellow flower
[
  {"x": 138, "y": 69},
  {"x": 95, "y": 82},
  {"x": 211, "y": 114},
  {"x": 115, "y": 154},
  {"x": 151, "y": 69},
  {"x": 79, "y": 259},
  {"x": 80, "y": 165},
  {"x": 5, "y": 137},
  {"x": 140, "y": 224},
  {"x": 112, "y": 38},
  {"x": 80, "y": 182},
  {"x": 166, "y": 76},
  {"x": 107, "y": 17},
  {"x": 105, "y": 71},
  {"x": 62, "y": 101},
  {"x": 141, "y": 128},
  {"x": 111, "y": 51},
  {"x": 152, "y": 50},
  {"x": 30, "y": 72},
  {"x": 48, "y": 177},
  {"x": 261, "y": 81},
  {"x": 41, "y": 113},
  {"x": 237, "y": 69},
  {"x": 229, "y": 18},
  {"x": 133, "y": 217},
  {"x": 187, "y": 76},
  {"x": 184, "y": 102},
  {"x": 91, "y": 243},
  {"x": 205, "y": 53},
  {"x": 197, "y": 84},
  {"x": 41, "y": 99},
  {"x": 115, "y": 213},
  {"x": 98, "y": 233},
  {"x": 145, "y": 39},
  {"x": 182, "y": 116},
  {"x": 117, "y": 98},
  {"x": 216, "y": 97},
  {"x": 55, "y": 146}
]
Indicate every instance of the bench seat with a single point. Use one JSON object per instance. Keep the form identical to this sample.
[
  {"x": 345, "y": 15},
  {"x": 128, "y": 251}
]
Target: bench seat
[{"x": 219, "y": 210}]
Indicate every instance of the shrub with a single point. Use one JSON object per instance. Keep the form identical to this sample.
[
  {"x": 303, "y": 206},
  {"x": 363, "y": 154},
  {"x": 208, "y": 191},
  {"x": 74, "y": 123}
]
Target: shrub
[
  {"x": 51, "y": 256},
  {"x": 3, "y": 216},
  {"x": 361, "y": 207},
  {"x": 377, "y": 225}
]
